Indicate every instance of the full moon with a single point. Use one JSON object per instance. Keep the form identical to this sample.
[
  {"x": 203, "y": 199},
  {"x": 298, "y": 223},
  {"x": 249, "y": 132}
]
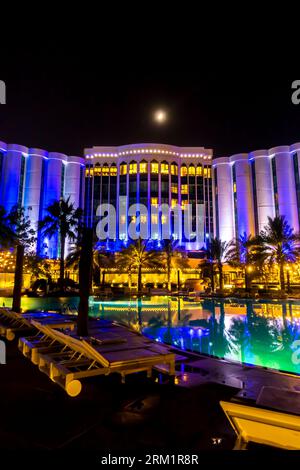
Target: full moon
[{"x": 160, "y": 116}]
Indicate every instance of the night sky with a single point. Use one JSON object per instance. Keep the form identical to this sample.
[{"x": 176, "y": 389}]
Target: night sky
[{"x": 67, "y": 96}]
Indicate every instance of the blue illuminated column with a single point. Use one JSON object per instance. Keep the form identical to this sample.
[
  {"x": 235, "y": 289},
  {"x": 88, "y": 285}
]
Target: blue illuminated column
[
  {"x": 13, "y": 176},
  {"x": 72, "y": 187},
  {"x": 262, "y": 182},
  {"x": 72, "y": 180},
  {"x": 224, "y": 199},
  {"x": 285, "y": 185},
  {"x": 33, "y": 183},
  {"x": 244, "y": 200},
  {"x": 54, "y": 190},
  {"x": 3, "y": 149}
]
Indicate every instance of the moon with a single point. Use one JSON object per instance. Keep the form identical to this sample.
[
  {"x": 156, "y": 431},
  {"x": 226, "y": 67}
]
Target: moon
[{"x": 160, "y": 116}]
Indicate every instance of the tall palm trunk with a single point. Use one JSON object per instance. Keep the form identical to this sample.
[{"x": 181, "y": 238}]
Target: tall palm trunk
[
  {"x": 169, "y": 273},
  {"x": 140, "y": 279},
  {"x": 281, "y": 276},
  {"x": 16, "y": 306},
  {"x": 62, "y": 262},
  {"x": 212, "y": 277},
  {"x": 247, "y": 280},
  {"x": 85, "y": 281},
  {"x": 220, "y": 267}
]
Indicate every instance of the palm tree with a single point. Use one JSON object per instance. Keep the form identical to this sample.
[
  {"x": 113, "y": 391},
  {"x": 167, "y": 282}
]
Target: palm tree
[
  {"x": 174, "y": 257},
  {"x": 215, "y": 253},
  {"x": 136, "y": 258},
  {"x": 280, "y": 244},
  {"x": 63, "y": 219},
  {"x": 23, "y": 238},
  {"x": 102, "y": 260},
  {"x": 240, "y": 255}
]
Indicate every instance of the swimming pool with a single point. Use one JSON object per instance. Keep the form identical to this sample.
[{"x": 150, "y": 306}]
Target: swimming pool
[{"x": 264, "y": 333}]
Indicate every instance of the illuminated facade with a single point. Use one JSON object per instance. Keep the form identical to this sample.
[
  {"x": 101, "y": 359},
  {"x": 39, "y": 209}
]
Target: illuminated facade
[
  {"x": 249, "y": 188},
  {"x": 236, "y": 194},
  {"x": 35, "y": 178},
  {"x": 151, "y": 175}
]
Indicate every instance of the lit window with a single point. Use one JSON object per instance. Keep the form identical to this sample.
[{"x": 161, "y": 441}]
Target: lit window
[
  {"x": 184, "y": 189},
  {"x": 154, "y": 218},
  {"x": 192, "y": 170},
  {"x": 174, "y": 169},
  {"x": 143, "y": 167},
  {"x": 163, "y": 219},
  {"x": 133, "y": 219},
  {"x": 123, "y": 169},
  {"x": 184, "y": 204},
  {"x": 208, "y": 172},
  {"x": 174, "y": 202},
  {"x": 183, "y": 170},
  {"x": 205, "y": 172},
  {"x": 154, "y": 201},
  {"x": 87, "y": 172},
  {"x": 154, "y": 167},
  {"x": 143, "y": 219},
  {"x": 97, "y": 170},
  {"x": 174, "y": 188},
  {"x": 234, "y": 187},
  {"x": 91, "y": 172},
  {"x": 165, "y": 168},
  {"x": 105, "y": 171},
  {"x": 199, "y": 170},
  {"x": 113, "y": 171},
  {"x": 133, "y": 168}
]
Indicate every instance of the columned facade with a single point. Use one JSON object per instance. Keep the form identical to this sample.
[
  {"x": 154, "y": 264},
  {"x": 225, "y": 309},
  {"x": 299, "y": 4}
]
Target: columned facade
[{"x": 249, "y": 188}]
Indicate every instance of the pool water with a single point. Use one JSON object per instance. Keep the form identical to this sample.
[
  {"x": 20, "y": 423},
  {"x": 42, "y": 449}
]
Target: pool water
[{"x": 264, "y": 333}]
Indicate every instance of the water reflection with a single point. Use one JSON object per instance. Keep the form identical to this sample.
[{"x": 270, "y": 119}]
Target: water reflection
[
  {"x": 249, "y": 332},
  {"x": 259, "y": 333}
]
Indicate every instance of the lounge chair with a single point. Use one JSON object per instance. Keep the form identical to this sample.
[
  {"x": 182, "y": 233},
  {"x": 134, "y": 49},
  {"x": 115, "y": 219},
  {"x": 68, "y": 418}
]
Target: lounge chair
[
  {"x": 80, "y": 359},
  {"x": 261, "y": 426}
]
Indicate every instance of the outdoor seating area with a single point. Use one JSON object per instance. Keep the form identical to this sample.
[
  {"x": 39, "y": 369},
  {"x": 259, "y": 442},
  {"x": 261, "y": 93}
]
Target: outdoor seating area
[
  {"x": 67, "y": 358},
  {"x": 12, "y": 323}
]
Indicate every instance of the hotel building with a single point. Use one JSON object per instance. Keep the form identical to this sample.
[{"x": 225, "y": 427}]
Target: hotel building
[
  {"x": 151, "y": 175},
  {"x": 236, "y": 194},
  {"x": 249, "y": 188},
  {"x": 34, "y": 178}
]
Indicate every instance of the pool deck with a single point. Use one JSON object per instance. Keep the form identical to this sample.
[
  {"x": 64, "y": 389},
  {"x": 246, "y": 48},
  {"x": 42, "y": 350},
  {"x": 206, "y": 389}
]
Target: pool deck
[{"x": 139, "y": 414}]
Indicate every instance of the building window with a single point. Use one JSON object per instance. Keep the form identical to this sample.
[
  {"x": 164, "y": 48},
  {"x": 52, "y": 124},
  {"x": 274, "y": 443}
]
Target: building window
[
  {"x": 113, "y": 171},
  {"x": 105, "y": 170},
  {"x": 164, "y": 168},
  {"x": 174, "y": 202},
  {"x": 192, "y": 170},
  {"x": 174, "y": 169},
  {"x": 199, "y": 171},
  {"x": 97, "y": 170},
  {"x": 275, "y": 187},
  {"x": 174, "y": 188},
  {"x": 154, "y": 218},
  {"x": 184, "y": 189},
  {"x": 184, "y": 204},
  {"x": 163, "y": 219},
  {"x": 154, "y": 167},
  {"x": 132, "y": 168},
  {"x": 183, "y": 170},
  {"x": 154, "y": 201},
  {"x": 143, "y": 167},
  {"x": 123, "y": 169}
]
